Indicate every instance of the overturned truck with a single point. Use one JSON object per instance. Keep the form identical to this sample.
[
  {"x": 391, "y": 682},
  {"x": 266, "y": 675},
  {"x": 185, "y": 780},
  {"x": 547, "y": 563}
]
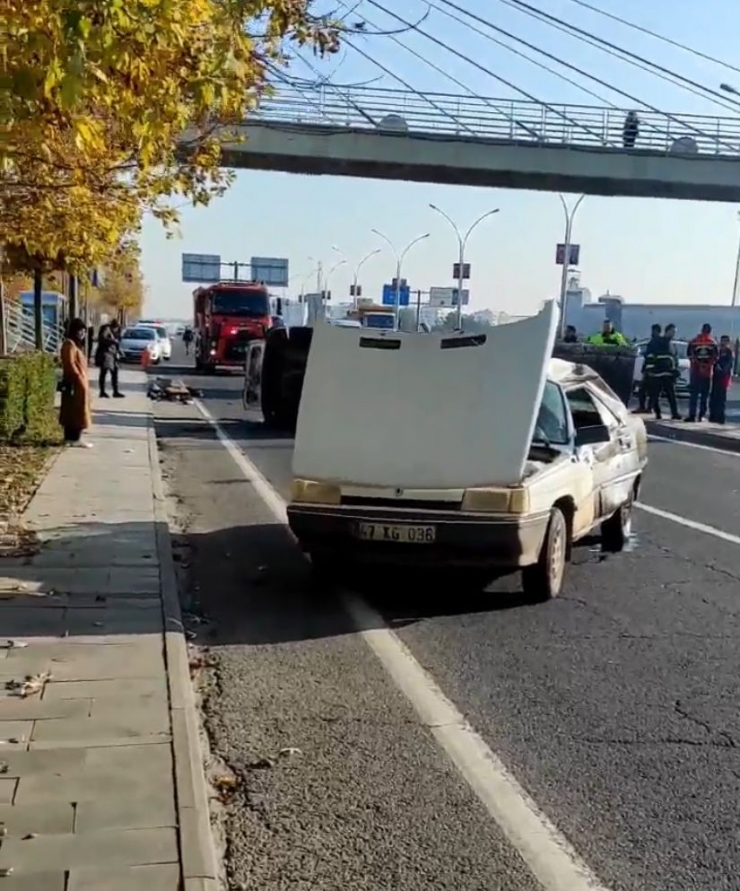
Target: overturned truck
[{"x": 275, "y": 369}]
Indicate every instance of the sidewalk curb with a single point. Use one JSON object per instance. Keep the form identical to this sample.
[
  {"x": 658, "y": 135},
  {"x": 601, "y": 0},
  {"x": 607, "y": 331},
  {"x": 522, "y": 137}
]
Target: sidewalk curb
[
  {"x": 691, "y": 434},
  {"x": 197, "y": 848}
]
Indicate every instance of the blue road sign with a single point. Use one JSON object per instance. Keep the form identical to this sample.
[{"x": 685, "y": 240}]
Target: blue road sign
[{"x": 389, "y": 295}]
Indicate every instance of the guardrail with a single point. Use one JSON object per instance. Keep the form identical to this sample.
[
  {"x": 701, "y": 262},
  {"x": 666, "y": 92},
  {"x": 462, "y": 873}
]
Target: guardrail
[
  {"x": 471, "y": 117},
  {"x": 21, "y": 332}
]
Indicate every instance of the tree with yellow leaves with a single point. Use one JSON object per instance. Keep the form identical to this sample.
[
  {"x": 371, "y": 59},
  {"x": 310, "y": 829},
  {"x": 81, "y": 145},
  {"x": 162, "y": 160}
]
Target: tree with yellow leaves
[
  {"x": 101, "y": 92},
  {"x": 121, "y": 292}
]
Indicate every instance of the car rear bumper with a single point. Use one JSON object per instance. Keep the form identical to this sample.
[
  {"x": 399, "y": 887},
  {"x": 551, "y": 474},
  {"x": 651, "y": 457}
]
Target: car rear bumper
[{"x": 461, "y": 539}]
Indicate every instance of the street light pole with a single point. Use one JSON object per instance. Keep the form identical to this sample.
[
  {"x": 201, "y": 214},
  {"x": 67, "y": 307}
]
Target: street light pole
[
  {"x": 326, "y": 281},
  {"x": 569, "y": 217},
  {"x": 462, "y": 241},
  {"x": 399, "y": 265},
  {"x": 356, "y": 277}
]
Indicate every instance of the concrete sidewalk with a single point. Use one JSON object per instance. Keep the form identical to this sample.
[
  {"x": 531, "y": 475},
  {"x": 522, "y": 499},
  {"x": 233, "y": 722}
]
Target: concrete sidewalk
[
  {"x": 720, "y": 436},
  {"x": 101, "y": 783}
]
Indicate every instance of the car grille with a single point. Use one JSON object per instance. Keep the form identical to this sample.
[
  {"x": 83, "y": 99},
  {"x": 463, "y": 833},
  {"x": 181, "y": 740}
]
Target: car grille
[{"x": 404, "y": 503}]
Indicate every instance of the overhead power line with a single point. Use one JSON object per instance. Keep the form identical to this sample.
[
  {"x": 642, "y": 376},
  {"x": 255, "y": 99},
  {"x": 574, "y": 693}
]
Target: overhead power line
[{"x": 656, "y": 35}]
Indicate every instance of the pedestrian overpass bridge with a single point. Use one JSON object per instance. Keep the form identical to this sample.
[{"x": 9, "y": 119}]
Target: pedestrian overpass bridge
[{"x": 475, "y": 141}]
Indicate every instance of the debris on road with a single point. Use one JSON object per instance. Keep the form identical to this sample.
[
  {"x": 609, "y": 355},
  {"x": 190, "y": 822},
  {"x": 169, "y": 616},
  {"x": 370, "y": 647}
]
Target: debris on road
[
  {"x": 172, "y": 391},
  {"x": 289, "y": 752},
  {"x": 30, "y": 685},
  {"x": 13, "y": 644}
]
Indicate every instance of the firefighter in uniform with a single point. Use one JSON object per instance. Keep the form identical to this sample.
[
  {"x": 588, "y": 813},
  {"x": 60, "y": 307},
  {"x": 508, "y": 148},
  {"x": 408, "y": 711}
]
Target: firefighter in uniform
[{"x": 661, "y": 371}]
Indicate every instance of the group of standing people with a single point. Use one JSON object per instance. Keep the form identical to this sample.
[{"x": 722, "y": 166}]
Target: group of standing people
[
  {"x": 74, "y": 414},
  {"x": 711, "y": 367}
]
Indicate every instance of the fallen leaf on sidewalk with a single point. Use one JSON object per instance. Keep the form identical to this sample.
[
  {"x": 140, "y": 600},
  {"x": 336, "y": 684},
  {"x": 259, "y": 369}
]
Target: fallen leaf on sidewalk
[{"x": 225, "y": 786}]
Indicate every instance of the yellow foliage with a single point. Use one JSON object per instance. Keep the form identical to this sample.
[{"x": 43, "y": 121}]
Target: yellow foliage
[
  {"x": 95, "y": 95},
  {"x": 122, "y": 289}
]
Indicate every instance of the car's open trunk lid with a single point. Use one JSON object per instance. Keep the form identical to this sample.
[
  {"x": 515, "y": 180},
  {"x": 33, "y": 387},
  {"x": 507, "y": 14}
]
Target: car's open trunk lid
[{"x": 422, "y": 410}]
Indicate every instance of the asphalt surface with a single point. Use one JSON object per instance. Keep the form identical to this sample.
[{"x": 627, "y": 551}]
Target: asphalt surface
[{"x": 614, "y": 706}]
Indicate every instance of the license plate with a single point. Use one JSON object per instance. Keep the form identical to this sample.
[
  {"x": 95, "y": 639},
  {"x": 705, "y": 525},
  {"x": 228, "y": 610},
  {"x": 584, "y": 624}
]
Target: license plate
[{"x": 393, "y": 532}]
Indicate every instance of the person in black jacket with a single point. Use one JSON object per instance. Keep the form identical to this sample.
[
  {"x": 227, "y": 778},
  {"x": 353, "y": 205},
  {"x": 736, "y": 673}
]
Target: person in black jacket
[
  {"x": 661, "y": 370},
  {"x": 106, "y": 358},
  {"x": 642, "y": 394}
]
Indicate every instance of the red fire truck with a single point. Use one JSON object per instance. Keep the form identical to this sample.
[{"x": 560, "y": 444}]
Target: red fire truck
[{"x": 227, "y": 316}]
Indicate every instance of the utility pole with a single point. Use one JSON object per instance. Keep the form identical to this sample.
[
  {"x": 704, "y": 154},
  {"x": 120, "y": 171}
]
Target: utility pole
[{"x": 569, "y": 216}]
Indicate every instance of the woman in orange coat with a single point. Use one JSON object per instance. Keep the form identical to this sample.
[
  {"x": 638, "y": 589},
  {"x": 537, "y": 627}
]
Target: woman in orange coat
[{"x": 74, "y": 415}]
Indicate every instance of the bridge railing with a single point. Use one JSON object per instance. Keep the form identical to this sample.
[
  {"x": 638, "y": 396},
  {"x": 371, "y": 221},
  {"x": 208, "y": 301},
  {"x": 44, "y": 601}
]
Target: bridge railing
[{"x": 443, "y": 114}]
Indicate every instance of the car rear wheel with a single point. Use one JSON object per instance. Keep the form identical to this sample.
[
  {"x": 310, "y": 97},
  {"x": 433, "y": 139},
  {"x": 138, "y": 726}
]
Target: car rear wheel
[
  {"x": 544, "y": 579},
  {"x": 616, "y": 531}
]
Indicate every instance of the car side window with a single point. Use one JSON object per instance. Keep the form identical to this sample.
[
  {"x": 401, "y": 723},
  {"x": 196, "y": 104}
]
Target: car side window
[
  {"x": 552, "y": 418},
  {"x": 585, "y": 410}
]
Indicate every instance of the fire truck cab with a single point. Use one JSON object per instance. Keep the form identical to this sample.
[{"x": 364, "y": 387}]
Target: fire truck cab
[{"x": 227, "y": 316}]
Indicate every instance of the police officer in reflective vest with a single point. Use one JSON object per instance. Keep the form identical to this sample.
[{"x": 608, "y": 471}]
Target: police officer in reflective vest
[
  {"x": 608, "y": 336},
  {"x": 661, "y": 371}
]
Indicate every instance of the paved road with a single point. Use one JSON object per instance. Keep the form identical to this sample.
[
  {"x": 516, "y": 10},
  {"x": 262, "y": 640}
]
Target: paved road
[{"x": 615, "y": 706}]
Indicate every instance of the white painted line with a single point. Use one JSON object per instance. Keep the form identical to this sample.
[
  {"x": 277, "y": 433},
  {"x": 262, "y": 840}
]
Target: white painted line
[
  {"x": 689, "y": 524},
  {"x": 694, "y": 445},
  {"x": 549, "y": 856},
  {"x": 265, "y": 491}
]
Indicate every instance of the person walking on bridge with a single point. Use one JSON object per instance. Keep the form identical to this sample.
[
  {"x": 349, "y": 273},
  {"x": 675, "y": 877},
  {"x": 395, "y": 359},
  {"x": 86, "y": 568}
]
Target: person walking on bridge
[
  {"x": 631, "y": 130},
  {"x": 608, "y": 336},
  {"x": 702, "y": 352},
  {"x": 661, "y": 370}
]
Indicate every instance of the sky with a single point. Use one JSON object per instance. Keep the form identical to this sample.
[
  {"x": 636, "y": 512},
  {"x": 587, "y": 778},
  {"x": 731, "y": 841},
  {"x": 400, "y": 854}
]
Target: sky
[{"x": 646, "y": 250}]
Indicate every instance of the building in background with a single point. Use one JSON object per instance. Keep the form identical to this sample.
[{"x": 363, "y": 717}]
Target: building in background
[{"x": 635, "y": 319}]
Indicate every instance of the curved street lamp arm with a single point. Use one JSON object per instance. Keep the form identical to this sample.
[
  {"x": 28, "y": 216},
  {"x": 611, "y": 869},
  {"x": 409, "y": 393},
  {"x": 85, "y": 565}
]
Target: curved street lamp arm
[
  {"x": 387, "y": 241},
  {"x": 365, "y": 259},
  {"x": 483, "y": 216},
  {"x": 336, "y": 266},
  {"x": 411, "y": 244},
  {"x": 449, "y": 220}
]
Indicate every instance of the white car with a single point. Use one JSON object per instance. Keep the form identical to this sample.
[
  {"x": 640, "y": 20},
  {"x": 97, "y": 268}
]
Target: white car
[
  {"x": 137, "y": 340},
  {"x": 163, "y": 337},
  {"x": 495, "y": 465},
  {"x": 684, "y": 366}
]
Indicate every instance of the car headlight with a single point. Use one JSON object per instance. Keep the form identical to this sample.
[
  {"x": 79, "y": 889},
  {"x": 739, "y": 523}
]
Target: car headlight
[
  {"x": 496, "y": 500},
  {"x": 310, "y": 492}
]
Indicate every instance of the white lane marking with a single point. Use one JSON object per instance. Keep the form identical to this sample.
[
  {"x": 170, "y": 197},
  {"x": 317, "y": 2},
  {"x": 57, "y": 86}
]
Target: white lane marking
[
  {"x": 550, "y": 857},
  {"x": 265, "y": 491},
  {"x": 690, "y": 524},
  {"x": 694, "y": 445}
]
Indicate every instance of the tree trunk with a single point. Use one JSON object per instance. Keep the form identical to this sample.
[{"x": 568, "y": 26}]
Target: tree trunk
[
  {"x": 38, "y": 311},
  {"x": 72, "y": 293}
]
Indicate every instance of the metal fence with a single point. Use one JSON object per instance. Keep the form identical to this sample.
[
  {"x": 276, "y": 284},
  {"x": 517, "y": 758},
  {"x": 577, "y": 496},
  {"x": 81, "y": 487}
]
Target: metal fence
[
  {"x": 470, "y": 117},
  {"x": 20, "y": 332}
]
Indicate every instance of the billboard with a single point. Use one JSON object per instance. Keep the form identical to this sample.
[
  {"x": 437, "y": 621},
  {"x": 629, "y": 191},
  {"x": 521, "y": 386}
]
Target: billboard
[
  {"x": 201, "y": 268},
  {"x": 441, "y": 297},
  {"x": 270, "y": 270}
]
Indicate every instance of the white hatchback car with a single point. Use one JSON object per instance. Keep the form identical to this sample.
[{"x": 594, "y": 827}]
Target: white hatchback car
[
  {"x": 163, "y": 336},
  {"x": 137, "y": 340}
]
